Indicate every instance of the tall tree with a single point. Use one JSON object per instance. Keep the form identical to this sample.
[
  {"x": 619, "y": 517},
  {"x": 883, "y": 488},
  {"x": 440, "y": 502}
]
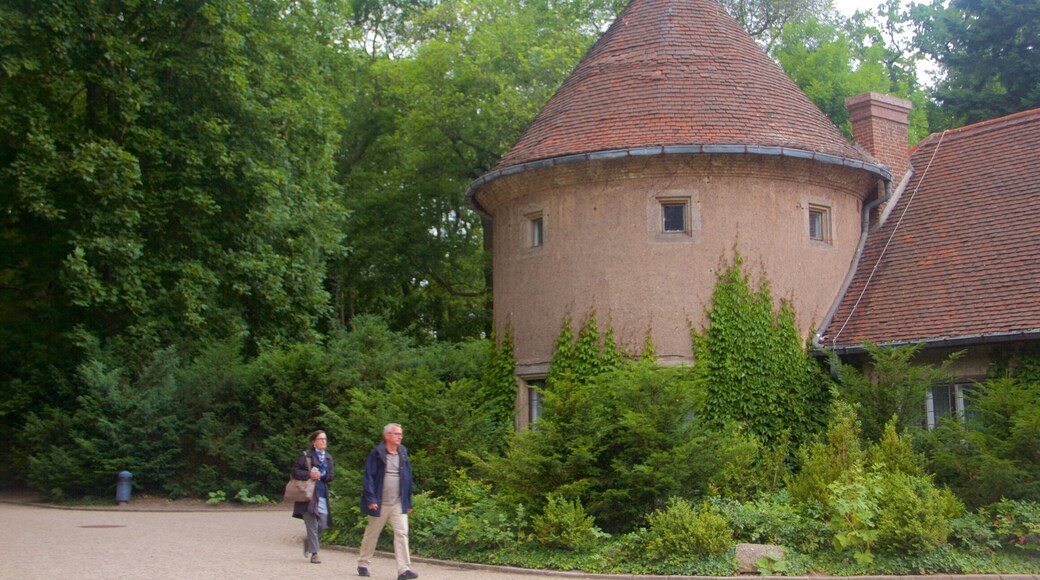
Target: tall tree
[
  {"x": 832, "y": 59},
  {"x": 166, "y": 174},
  {"x": 438, "y": 101},
  {"x": 989, "y": 51},
  {"x": 167, "y": 167},
  {"x": 764, "y": 20}
]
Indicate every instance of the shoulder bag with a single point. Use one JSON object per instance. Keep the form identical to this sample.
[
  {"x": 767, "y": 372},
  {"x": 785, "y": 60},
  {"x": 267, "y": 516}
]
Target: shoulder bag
[{"x": 300, "y": 489}]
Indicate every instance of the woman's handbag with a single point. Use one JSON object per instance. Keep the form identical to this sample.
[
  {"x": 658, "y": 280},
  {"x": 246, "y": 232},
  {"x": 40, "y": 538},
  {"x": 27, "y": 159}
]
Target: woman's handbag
[{"x": 300, "y": 489}]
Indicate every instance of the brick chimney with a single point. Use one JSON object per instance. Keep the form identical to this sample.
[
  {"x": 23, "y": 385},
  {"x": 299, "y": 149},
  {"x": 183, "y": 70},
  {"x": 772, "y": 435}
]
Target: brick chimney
[{"x": 879, "y": 125}]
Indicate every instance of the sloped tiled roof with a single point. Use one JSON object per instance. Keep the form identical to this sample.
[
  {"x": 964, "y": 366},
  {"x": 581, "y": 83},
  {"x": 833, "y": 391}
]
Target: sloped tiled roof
[
  {"x": 958, "y": 258},
  {"x": 676, "y": 72}
]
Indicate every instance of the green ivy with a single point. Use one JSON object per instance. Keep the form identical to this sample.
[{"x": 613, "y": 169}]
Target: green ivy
[
  {"x": 590, "y": 354},
  {"x": 498, "y": 382},
  {"x": 754, "y": 365}
]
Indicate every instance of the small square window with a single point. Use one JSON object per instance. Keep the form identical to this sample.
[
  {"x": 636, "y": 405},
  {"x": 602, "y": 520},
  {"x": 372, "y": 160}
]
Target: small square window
[
  {"x": 537, "y": 231},
  {"x": 819, "y": 223},
  {"x": 673, "y": 217}
]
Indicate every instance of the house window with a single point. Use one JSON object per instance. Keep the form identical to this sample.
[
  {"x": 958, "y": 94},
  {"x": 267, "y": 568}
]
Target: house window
[
  {"x": 674, "y": 216},
  {"x": 948, "y": 401},
  {"x": 534, "y": 401},
  {"x": 536, "y": 230},
  {"x": 819, "y": 223}
]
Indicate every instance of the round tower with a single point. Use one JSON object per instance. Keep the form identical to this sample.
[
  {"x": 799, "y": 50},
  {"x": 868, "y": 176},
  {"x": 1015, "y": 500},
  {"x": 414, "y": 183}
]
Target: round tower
[{"x": 675, "y": 140}]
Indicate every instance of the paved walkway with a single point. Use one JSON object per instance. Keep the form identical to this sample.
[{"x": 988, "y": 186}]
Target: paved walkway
[
  {"x": 42, "y": 542},
  {"x": 158, "y": 541}
]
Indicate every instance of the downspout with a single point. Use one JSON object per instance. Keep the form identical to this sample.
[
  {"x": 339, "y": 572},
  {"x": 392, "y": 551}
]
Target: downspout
[{"x": 870, "y": 206}]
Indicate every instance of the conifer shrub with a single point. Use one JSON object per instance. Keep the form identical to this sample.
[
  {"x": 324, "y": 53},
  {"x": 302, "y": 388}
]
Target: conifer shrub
[
  {"x": 913, "y": 515},
  {"x": 993, "y": 453},
  {"x": 827, "y": 460},
  {"x": 896, "y": 453},
  {"x": 564, "y": 524},
  {"x": 894, "y": 389},
  {"x": 681, "y": 531},
  {"x": 123, "y": 422}
]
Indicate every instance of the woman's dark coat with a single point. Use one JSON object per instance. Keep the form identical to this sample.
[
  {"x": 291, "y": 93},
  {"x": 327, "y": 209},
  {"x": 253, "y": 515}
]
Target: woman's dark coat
[{"x": 301, "y": 471}]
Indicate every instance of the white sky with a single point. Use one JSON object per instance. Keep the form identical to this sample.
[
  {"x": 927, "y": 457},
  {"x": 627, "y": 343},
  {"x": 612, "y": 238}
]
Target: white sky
[{"x": 848, "y": 7}]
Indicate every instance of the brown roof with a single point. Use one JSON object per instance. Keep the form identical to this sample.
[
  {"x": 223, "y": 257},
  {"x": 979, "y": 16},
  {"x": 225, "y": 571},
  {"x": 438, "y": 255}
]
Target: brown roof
[
  {"x": 958, "y": 258},
  {"x": 676, "y": 72}
]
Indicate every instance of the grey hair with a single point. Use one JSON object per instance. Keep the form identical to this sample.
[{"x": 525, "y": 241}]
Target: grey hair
[{"x": 391, "y": 426}]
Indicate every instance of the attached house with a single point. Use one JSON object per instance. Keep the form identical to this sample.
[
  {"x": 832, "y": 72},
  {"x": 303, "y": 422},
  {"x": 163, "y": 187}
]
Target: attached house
[
  {"x": 677, "y": 140},
  {"x": 955, "y": 263}
]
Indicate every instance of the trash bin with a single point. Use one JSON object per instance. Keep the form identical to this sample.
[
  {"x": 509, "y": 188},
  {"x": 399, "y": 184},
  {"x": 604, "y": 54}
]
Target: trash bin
[{"x": 123, "y": 487}]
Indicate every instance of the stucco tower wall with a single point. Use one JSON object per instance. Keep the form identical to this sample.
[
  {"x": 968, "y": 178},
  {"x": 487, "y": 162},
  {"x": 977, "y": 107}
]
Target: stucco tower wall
[{"x": 604, "y": 249}]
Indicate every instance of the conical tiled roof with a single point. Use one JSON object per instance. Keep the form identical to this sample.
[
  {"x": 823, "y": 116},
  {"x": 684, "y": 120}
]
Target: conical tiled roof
[{"x": 674, "y": 73}]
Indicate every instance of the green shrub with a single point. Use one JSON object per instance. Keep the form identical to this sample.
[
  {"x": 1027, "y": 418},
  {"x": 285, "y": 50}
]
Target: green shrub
[
  {"x": 1017, "y": 523},
  {"x": 993, "y": 454},
  {"x": 123, "y": 421},
  {"x": 681, "y": 531},
  {"x": 826, "y": 461},
  {"x": 972, "y": 532},
  {"x": 481, "y": 520},
  {"x": 895, "y": 452},
  {"x": 895, "y": 388},
  {"x": 564, "y": 524},
  {"x": 853, "y": 504},
  {"x": 772, "y": 519},
  {"x": 914, "y": 516},
  {"x": 621, "y": 443},
  {"x": 431, "y": 522}
]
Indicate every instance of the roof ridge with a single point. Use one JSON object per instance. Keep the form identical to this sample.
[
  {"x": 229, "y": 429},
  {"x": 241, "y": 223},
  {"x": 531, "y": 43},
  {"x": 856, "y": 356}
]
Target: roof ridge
[{"x": 1026, "y": 116}]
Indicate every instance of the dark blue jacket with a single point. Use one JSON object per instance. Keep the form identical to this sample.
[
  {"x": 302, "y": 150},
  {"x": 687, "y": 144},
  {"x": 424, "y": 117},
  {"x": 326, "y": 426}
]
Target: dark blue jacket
[{"x": 372, "y": 482}]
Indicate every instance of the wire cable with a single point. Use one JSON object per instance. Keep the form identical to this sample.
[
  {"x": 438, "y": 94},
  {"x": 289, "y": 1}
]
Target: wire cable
[{"x": 888, "y": 242}]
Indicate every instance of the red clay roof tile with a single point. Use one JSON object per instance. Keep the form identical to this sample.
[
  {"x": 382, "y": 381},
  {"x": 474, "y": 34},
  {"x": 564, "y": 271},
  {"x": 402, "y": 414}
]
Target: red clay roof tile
[
  {"x": 676, "y": 72},
  {"x": 957, "y": 257}
]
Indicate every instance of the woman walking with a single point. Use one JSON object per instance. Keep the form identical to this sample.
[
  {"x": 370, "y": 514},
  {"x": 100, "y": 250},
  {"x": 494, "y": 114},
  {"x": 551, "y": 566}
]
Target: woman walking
[{"x": 314, "y": 464}]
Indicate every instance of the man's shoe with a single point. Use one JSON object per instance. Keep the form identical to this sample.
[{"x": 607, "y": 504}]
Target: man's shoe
[
  {"x": 315, "y": 559},
  {"x": 362, "y": 571},
  {"x": 407, "y": 575}
]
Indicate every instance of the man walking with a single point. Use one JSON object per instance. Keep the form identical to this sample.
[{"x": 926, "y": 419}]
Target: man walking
[{"x": 386, "y": 495}]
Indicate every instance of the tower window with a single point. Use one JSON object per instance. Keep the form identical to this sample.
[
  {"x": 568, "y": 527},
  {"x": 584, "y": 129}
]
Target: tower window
[
  {"x": 820, "y": 223},
  {"x": 673, "y": 216},
  {"x": 536, "y": 230}
]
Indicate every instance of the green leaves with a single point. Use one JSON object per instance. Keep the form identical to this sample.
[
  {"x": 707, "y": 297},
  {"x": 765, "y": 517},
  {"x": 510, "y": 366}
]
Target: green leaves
[
  {"x": 753, "y": 365},
  {"x": 988, "y": 51}
]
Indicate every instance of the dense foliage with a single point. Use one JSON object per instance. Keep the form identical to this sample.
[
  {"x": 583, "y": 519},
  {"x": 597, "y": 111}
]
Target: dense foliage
[
  {"x": 227, "y": 223},
  {"x": 238, "y": 423},
  {"x": 988, "y": 50},
  {"x": 754, "y": 366}
]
